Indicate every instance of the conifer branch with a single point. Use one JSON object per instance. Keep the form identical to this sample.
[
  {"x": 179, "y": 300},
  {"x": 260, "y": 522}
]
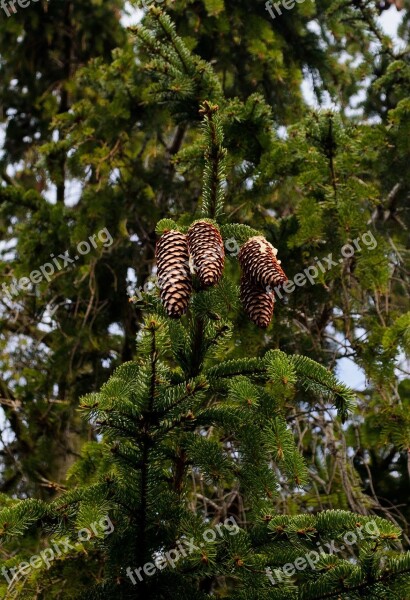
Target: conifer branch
[
  {"x": 147, "y": 443},
  {"x": 237, "y": 367},
  {"x": 366, "y": 585},
  {"x": 169, "y": 29},
  {"x": 330, "y": 151},
  {"x": 215, "y": 162},
  {"x": 197, "y": 347}
]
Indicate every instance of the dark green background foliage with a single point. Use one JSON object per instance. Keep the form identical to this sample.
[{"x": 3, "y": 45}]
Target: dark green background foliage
[{"x": 170, "y": 427}]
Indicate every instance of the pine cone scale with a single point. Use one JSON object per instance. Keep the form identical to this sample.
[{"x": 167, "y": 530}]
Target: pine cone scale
[
  {"x": 173, "y": 274},
  {"x": 207, "y": 252},
  {"x": 258, "y": 260},
  {"x": 257, "y": 302}
]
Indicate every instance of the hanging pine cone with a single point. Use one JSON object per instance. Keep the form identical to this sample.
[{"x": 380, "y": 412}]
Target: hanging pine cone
[
  {"x": 257, "y": 302},
  {"x": 258, "y": 261},
  {"x": 207, "y": 252},
  {"x": 174, "y": 278}
]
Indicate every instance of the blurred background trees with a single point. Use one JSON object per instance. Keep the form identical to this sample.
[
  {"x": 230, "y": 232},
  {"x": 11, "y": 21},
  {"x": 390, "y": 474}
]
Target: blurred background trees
[{"x": 102, "y": 129}]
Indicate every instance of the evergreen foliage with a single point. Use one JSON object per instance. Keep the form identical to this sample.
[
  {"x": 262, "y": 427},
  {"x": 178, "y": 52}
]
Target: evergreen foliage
[
  {"x": 182, "y": 121},
  {"x": 185, "y": 415}
]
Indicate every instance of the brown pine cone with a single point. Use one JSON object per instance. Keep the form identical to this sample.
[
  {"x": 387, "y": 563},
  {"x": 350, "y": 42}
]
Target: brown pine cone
[
  {"x": 206, "y": 248},
  {"x": 258, "y": 261},
  {"x": 257, "y": 302},
  {"x": 174, "y": 278}
]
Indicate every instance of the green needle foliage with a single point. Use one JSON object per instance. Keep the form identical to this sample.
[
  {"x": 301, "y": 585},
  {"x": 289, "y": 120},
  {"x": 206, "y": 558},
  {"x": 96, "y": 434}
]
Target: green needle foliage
[
  {"x": 215, "y": 164},
  {"x": 209, "y": 420},
  {"x": 192, "y": 448}
]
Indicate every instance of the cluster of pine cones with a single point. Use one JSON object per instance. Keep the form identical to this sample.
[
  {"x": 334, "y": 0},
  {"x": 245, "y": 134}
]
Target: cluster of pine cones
[
  {"x": 201, "y": 251},
  {"x": 177, "y": 254},
  {"x": 261, "y": 272}
]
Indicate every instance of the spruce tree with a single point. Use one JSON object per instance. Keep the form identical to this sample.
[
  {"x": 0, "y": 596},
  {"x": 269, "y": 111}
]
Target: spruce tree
[
  {"x": 42, "y": 46},
  {"x": 176, "y": 496},
  {"x": 133, "y": 138},
  {"x": 120, "y": 141}
]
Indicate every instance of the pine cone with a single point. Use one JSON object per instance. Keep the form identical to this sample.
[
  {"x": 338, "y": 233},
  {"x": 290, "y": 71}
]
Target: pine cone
[
  {"x": 207, "y": 252},
  {"x": 174, "y": 278},
  {"x": 257, "y": 302},
  {"x": 258, "y": 261}
]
